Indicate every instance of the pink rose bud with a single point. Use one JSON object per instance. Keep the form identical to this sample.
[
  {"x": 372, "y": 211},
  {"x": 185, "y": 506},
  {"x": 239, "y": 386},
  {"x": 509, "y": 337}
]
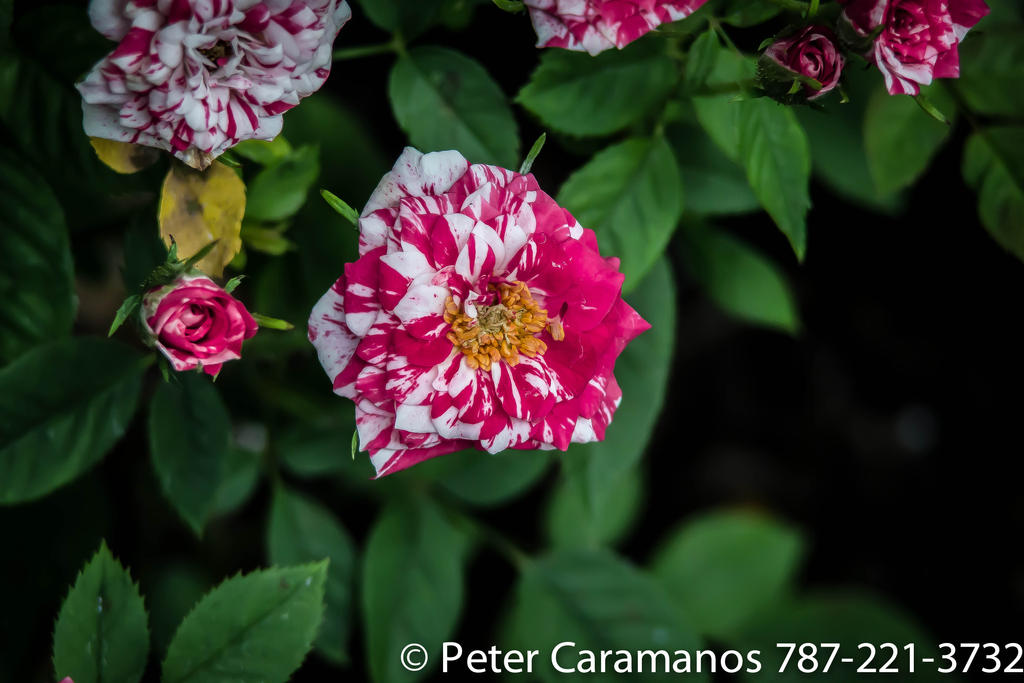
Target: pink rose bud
[
  {"x": 915, "y": 41},
  {"x": 195, "y": 77},
  {"x": 67, "y": 680},
  {"x": 809, "y": 57},
  {"x": 597, "y": 25},
  {"x": 195, "y": 323},
  {"x": 479, "y": 314}
]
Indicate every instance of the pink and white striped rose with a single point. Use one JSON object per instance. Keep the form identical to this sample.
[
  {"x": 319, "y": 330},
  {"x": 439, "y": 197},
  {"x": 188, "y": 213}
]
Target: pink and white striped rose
[
  {"x": 812, "y": 53},
  {"x": 919, "y": 39},
  {"x": 196, "y": 323},
  {"x": 597, "y": 25},
  {"x": 195, "y": 77},
  {"x": 459, "y": 260}
]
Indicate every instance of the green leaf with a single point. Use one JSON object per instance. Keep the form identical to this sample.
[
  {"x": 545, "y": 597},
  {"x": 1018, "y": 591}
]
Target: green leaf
[
  {"x": 62, "y": 407},
  {"x": 575, "y": 93},
  {"x": 747, "y": 12},
  {"x": 232, "y": 284},
  {"x": 1004, "y": 13},
  {"x": 101, "y": 634},
  {"x": 571, "y": 524},
  {"x": 775, "y": 152},
  {"x": 992, "y": 72},
  {"x": 643, "y": 372},
  {"x": 701, "y": 59},
  {"x": 302, "y": 530},
  {"x": 189, "y": 437},
  {"x": 511, "y": 6},
  {"x": 845, "y": 617},
  {"x": 256, "y": 627},
  {"x": 599, "y": 602},
  {"x": 901, "y": 139},
  {"x": 266, "y": 240},
  {"x": 723, "y": 568},
  {"x": 412, "y": 586},
  {"x": 480, "y": 478},
  {"x": 264, "y": 152},
  {"x": 994, "y": 167},
  {"x": 239, "y": 479},
  {"x": 837, "y": 144},
  {"x": 929, "y": 108},
  {"x": 408, "y": 19},
  {"x": 37, "y": 301},
  {"x": 719, "y": 115},
  {"x": 715, "y": 185},
  {"x": 766, "y": 139},
  {"x": 279, "y": 190},
  {"x": 631, "y": 195},
  {"x": 534, "y": 152},
  {"x": 272, "y": 323},
  {"x": 445, "y": 100},
  {"x": 341, "y": 206},
  {"x": 740, "y": 280},
  {"x": 128, "y": 308}
]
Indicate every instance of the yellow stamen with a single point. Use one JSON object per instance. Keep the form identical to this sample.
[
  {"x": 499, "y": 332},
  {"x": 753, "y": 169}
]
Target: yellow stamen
[{"x": 501, "y": 331}]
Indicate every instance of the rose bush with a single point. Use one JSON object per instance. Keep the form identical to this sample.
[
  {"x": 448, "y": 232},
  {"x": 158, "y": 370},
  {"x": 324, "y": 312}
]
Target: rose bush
[
  {"x": 195, "y": 323},
  {"x": 195, "y": 77},
  {"x": 463, "y": 323},
  {"x": 597, "y": 25},
  {"x": 917, "y": 40},
  {"x": 810, "y": 53}
]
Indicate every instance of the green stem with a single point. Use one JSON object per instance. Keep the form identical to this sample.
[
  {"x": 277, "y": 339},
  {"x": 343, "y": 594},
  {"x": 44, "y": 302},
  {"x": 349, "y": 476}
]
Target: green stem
[
  {"x": 492, "y": 537},
  {"x": 741, "y": 85},
  {"x": 365, "y": 50},
  {"x": 720, "y": 30}
]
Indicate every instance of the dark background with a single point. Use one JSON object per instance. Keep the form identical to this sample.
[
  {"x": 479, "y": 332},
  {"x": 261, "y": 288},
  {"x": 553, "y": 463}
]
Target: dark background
[{"x": 888, "y": 430}]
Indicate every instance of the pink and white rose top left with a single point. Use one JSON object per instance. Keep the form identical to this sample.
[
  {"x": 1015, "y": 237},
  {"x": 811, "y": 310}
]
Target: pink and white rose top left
[
  {"x": 196, "y": 77},
  {"x": 479, "y": 314}
]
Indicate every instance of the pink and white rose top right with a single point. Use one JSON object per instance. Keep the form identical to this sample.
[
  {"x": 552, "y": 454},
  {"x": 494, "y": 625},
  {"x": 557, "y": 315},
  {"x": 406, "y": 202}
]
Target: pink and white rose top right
[
  {"x": 479, "y": 314},
  {"x": 920, "y": 38},
  {"x": 598, "y": 25}
]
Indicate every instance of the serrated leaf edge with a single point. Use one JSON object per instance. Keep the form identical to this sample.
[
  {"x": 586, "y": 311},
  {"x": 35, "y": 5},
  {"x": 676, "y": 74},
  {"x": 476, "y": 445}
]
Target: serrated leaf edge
[
  {"x": 71, "y": 587},
  {"x": 313, "y": 567}
]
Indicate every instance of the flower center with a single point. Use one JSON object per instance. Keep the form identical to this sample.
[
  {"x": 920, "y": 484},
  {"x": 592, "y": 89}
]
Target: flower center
[
  {"x": 503, "y": 330},
  {"x": 219, "y": 51}
]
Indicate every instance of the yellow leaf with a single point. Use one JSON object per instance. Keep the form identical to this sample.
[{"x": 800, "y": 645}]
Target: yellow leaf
[
  {"x": 124, "y": 157},
  {"x": 197, "y": 207}
]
